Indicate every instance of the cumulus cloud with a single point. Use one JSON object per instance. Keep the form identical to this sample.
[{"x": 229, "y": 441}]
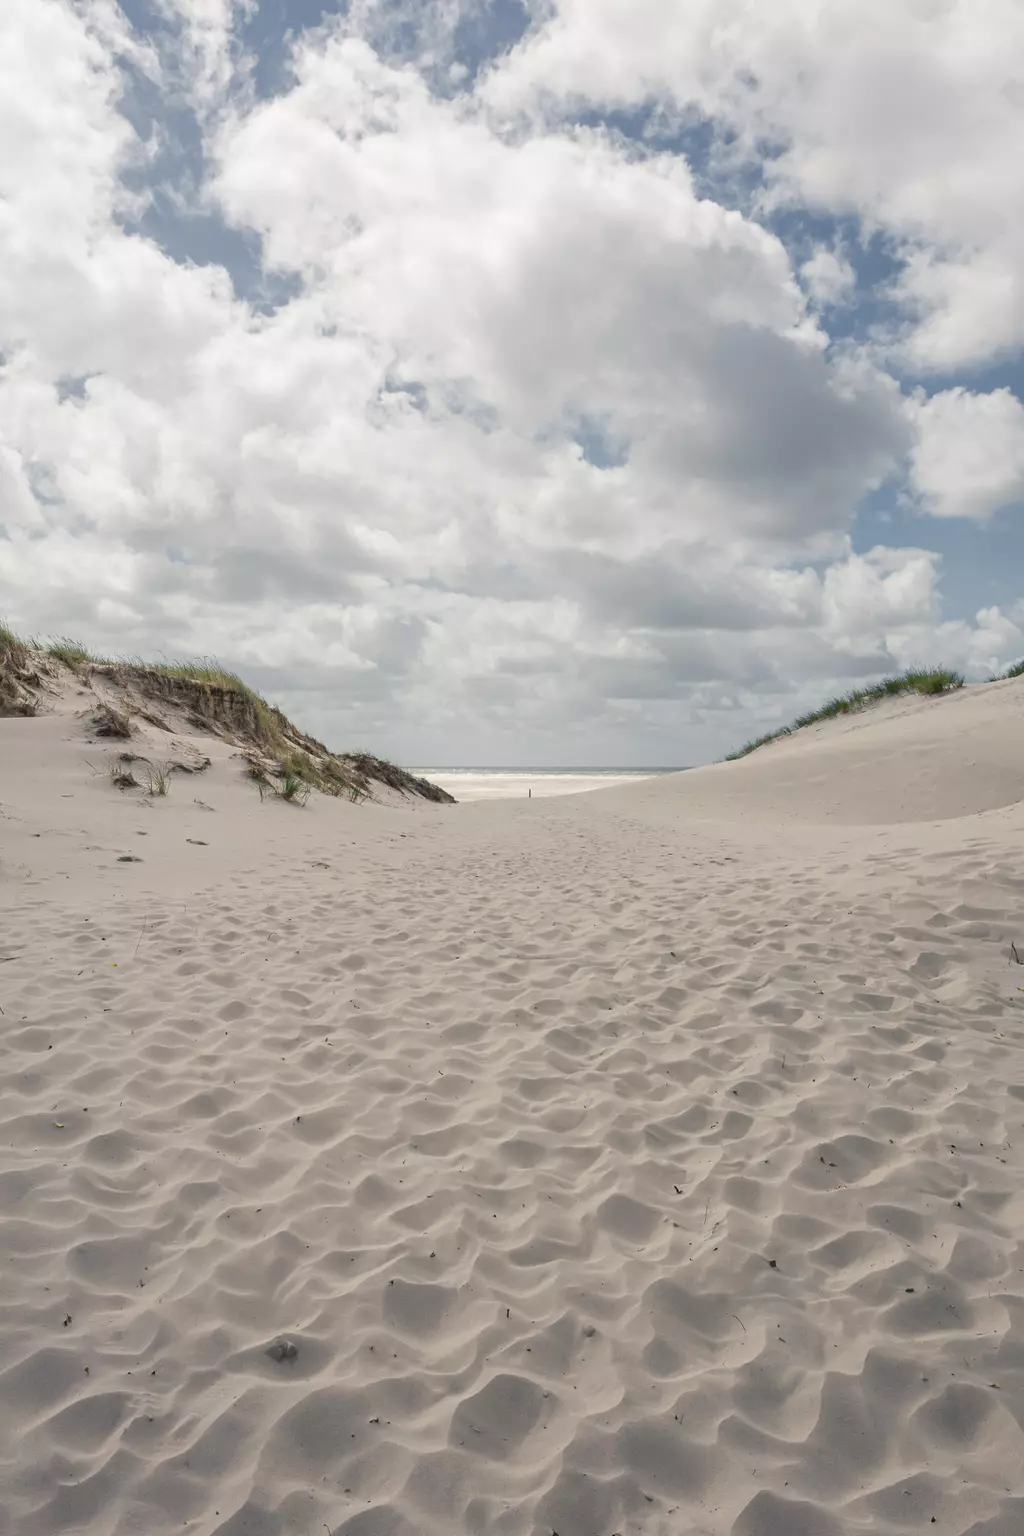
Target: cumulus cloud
[
  {"x": 560, "y": 289},
  {"x": 968, "y": 460},
  {"x": 542, "y": 451},
  {"x": 907, "y": 116},
  {"x": 828, "y": 276}
]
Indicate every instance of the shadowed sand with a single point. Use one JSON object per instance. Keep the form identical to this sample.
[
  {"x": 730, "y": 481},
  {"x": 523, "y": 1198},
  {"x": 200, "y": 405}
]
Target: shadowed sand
[{"x": 648, "y": 1161}]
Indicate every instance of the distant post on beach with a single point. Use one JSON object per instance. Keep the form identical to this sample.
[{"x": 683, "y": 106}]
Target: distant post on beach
[{"x": 529, "y": 794}]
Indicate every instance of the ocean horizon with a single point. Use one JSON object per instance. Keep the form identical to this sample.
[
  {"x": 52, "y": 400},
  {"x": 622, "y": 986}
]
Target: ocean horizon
[{"x": 474, "y": 783}]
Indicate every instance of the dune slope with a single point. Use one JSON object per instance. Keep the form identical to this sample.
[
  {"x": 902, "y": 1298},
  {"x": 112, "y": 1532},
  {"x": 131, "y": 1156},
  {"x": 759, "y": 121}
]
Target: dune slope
[
  {"x": 644, "y": 1162},
  {"x": 910, "y": 759},
  {"x": 131, "y": 701}
]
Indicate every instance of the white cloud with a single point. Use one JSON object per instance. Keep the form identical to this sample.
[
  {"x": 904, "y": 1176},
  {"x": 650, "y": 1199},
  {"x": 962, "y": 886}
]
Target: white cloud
[
  {"x": 565, "y": 286},
  {"x": 200, "y": 52},
  {"x": 867, "y": 599},
  {"x": 545, "y": 446},
  {"x": 78, "y": 296},
  {"x": 978, "y": 648},
  {"x": 908, "y": 116},
  {"x": 827, "y": 276},
  {"x": 968, "y": 460}
]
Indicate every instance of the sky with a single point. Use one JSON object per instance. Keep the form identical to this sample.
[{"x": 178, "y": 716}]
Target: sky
[{"x": 496, "y": 382}]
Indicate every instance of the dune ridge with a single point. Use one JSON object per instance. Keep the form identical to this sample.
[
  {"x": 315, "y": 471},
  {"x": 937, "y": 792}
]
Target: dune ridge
[
  {"x": 192, "y": 699},
  {"x": 643, "y": 1162}
]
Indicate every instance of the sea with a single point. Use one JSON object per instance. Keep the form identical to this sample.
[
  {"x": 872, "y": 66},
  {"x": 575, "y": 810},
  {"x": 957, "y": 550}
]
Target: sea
[{"x": 536, "y": 783}]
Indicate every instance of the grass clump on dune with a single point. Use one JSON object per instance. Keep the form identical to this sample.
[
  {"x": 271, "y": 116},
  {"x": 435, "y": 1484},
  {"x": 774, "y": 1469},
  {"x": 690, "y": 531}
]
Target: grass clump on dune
[
  {"x": 931, "y": 680},
  {"x": 205, "y": 670},
  {"x": 206, "y": 697},
  {"x": 208, "y": 671},
  {"x": 116, "y": 723},
  {"x": 10, "y": 644},
  {"x": 1016, "y": 670},
  {"x": 14, "y": 651},
  {"x": 15, "y": 656},
  {"x": 287, "y": 784},
  {"x": 158, "y": 779},
  {"x": 331, "y": 775},
  {"x": 121, "y": 775},
  {"x": 294, "y": 788},
  {"x": 71, "y": 652}
]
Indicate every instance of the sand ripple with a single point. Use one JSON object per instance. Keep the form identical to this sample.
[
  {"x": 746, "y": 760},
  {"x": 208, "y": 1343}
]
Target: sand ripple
[{"x": 608, "y": 1178}]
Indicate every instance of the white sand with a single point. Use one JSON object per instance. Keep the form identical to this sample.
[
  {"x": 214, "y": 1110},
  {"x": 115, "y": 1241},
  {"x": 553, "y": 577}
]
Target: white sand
[
  {"x": 642, "y": 1162},
  {"x": 520, "y": 783}
]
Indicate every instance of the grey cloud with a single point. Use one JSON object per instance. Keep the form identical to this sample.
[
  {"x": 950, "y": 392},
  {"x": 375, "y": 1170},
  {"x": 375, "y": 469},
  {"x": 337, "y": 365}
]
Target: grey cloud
[
  {"x": 260, "y": 573},
  {"x": 686, "y": 587},
  {"x": 791, "y": 447},
  {"x": 663, "y": 591},
  {"x": 396, "y": 643}
]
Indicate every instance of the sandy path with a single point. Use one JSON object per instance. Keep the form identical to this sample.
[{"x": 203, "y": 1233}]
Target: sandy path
[{"x": 610, "y": 1171}]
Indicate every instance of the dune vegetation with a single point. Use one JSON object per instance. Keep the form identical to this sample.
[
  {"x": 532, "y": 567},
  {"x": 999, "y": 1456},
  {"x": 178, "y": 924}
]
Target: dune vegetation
[
  {"x": 930, "y": 680},
  {"x": 212, "y": 699}
]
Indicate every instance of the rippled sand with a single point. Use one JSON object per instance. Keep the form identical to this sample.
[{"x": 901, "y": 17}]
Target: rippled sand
[{"x": 644, "y": 1162}]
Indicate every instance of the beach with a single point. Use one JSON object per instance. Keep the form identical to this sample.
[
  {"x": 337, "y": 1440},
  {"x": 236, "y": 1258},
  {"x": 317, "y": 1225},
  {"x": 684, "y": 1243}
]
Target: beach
[
  {"x": 532, "y": 783},
  {"x": 641, "y": 1161}
]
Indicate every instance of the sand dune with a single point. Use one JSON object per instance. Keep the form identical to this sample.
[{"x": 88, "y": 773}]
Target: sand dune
[
  {"x": 644, "y": 1162},
  {"x": 911, "y": 759}
]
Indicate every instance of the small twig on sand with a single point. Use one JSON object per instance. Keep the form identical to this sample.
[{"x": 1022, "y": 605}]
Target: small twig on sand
[
  {"x": 706, "y": 1209},
  {"x": 739, "y": 1320},
  {"x": 142, "y": 935},
  {"x": 1014, "y": 956}
]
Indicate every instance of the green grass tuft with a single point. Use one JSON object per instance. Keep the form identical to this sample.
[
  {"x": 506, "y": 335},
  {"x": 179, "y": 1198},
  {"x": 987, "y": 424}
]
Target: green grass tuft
[
  {"x": 12, "y": 647},
  {"x": 292, "y": 785},
  {"x": 69, "y": 651},
  {"x": 930, "y": 680},
  {"x": 203, "y": 670},
  {"x": 1016, "y": 670},
  {"x": 293, "y": 788},
  {"x": 158, "y": 779},
  {"x": 209, "y": 671},
  {"x": 14, "y": 651},
  {"x": 15, "y": 656},
  {"x": 760, "y": 741}
]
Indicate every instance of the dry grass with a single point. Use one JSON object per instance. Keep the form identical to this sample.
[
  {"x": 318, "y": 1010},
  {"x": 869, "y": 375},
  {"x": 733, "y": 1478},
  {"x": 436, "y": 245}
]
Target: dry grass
[
  {"x": 329, "y": 774},
  {"x": 121, "y": 775},
  {"x": 156, "y": 779},
  {"x": 11, "y": 645},
  {"x": 256, "y": 771},
  {"x": 115, "y": 723},
  {"x": 217, "y": 700},
  {"x": 14, "y": 661},
  {"x": 209, "y": 671}
]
